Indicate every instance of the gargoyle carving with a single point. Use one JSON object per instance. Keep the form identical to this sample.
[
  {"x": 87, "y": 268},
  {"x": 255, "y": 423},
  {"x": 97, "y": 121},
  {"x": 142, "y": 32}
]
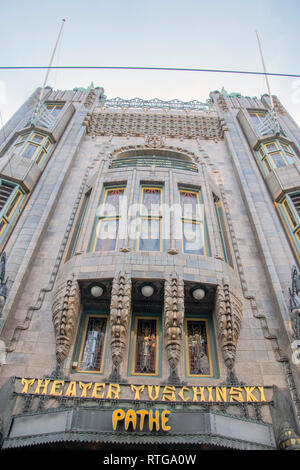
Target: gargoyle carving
[
  {"x": 229, "y": 320},
  {"x": 65, "y": 310},
  {"x": 173, "y": 321}
]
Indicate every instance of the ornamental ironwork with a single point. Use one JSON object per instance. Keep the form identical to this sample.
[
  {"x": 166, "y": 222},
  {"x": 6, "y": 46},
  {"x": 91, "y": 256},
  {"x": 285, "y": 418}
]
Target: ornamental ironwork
[{"x": 156, "y": 103}]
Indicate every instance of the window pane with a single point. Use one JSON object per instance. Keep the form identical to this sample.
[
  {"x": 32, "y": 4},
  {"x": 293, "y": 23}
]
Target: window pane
[
  {"x": 290, "y": 214},
  {"x": 40, "y": 157},
  {"x": 37, "y": 138},
  {"x": 198, "y": 354},
  {"x": 150, "y": 235},
  {"x": 93, "y": 350},
  {"x": 146, "y": 344},
  {"x": 189, "y": 205},
  {"x": 192, "y": 238},
  {"x": 278, "y": 160},
  {"x": 271, "y": 146},
  {"x": 113, "y": 202},
  {"x": 151, "y": 201},
  {"x": 107, "y": 232},
  {"x": 29, "y": 151},
  {"x": 13, "y": 204}
]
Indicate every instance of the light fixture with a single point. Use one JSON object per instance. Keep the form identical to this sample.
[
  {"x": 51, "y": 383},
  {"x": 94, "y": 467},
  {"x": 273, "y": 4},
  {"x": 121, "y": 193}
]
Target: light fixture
[
  {"x": 147, "y": 290},
  {"x": 198, "y": 293},
  {"x": 96, "y": 290}
]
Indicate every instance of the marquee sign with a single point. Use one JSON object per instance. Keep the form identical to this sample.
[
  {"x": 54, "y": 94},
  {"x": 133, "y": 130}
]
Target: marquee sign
[{"x": 144, "y": 393}]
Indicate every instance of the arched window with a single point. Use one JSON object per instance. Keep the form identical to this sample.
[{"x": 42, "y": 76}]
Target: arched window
[{"x": 152, "y": 158}]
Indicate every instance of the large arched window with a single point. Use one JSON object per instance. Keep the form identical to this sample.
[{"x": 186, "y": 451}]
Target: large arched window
[{"x": 152, "y": 158}]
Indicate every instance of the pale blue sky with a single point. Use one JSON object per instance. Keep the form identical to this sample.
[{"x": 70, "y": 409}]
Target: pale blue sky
[{"x": 173, "y": 33}]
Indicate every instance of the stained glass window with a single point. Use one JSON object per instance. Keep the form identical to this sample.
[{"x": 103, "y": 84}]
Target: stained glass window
[
  {"x": 198, "y": 348},
  {"x": 145, "y": 357},
  {"x": 92, "y": 351}
]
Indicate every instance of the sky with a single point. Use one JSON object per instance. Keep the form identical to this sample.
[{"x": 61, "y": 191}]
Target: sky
[{"x": 214, "y": 34}]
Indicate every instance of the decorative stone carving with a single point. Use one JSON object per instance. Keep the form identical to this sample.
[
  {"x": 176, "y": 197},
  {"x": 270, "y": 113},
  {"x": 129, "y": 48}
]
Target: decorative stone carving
[
  {"x": 183, "y": 125},
  {"x": 65, "y": 311},
  {"x": 154, "y": 141},
  {"x": 120, "y": 309},
  {"x": 173, "y": 322},
  {"x": 229, "y": 320},
  {"x": 295, "y": 302}
]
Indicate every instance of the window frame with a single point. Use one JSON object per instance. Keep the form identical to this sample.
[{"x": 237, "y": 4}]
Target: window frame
[
  {"x": 102, "y": 217},
  {"x": 16, "y": 207},
  {"x": 197, "y": 221},
  {"x": 266, "y": 159},
  {"x": 293, "y": 230},
  {"x": 141, "y": 216},
  {"x": 80, "y": 343},
  {"x": 45, "y": 145},
  {"x": 213, "y": 364},
  {"x": 133, "y": 344}
]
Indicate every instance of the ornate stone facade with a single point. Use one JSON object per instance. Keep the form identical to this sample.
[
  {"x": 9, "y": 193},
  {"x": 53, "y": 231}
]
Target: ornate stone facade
[{"x": 65, "y": 312}]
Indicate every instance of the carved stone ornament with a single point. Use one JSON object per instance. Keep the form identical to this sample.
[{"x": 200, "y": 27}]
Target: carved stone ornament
[
  {"x": 65, "y": 311},
  {"x": 173, "y": 321},
  {"x": 294, "y": 293},
  {"x": 229, "y": 320},
  {"x": 120, "y": 309},
  {"x": 155, "y": 141}
]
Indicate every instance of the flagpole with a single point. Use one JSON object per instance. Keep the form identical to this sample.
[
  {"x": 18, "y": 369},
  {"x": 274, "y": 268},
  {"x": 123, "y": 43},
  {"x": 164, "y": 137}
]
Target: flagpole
[
  {"x": 265, "y": 71},
  {"x": 50, "y": 64}
]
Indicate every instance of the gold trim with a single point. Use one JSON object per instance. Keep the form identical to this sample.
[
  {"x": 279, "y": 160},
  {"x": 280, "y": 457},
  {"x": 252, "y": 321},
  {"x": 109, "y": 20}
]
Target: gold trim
[
  {"x": 208, "y": 346},
  {"x": 137, "y": 318},
  {"x": 83, "y": 339},
  {"x": 97, "y": 230}
]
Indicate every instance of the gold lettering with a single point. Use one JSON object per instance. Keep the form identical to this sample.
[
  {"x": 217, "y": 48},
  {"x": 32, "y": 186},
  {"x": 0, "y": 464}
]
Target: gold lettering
[
  {"x": 117, "y": 416},
  {"x": 142, "y": 414},
  {"x": 153, "y": 420},
  {"x": 210, "y": 397},
  {"x": 249, "y": 394},
  {"x": 27, "y": 383},
  {"x": 198, "y": 392},
  {"x": 164, "y": 420},
  {"x": 157, "y": 390},
  {"x": 180, "y": 394},
  {"x": 42, "y": 384},
  {"x": 71, "y": 390},
  {"x": 111, "y": 391},
  {"x": 97, "y": 388},
  {"x": 236, "y": 394},
  {"x": 130, "y": 418},
  {"x": 262, "y": 394},
  {"x": 137, "y": 391},
  {"x": 169, "y": 393},
  {"x": 56, "y": 384},
  {"x": 221, "y": 393},
  {"x": 84, "y": 387}
]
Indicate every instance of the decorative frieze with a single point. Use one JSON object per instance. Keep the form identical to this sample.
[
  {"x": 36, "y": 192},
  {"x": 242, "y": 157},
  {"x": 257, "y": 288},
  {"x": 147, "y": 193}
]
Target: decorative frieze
[
  {"x": 229, "y": 320},
  {"x": 65, "y": 311},
  {"x": 120, "y": 311},
  {"x": 173, "y": 322},
  {"x": 183, "y": 125}
]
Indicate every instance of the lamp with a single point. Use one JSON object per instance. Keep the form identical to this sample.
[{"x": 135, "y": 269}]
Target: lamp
[
  {"x": 147, "y": 290},
  {"x": 96, "y": 290},
  {"x": 198, "y": 293}
]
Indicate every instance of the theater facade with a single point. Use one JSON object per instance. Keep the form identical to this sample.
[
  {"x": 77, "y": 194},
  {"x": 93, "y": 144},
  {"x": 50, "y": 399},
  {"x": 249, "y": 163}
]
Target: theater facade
[{"x": 149, "y": 274}]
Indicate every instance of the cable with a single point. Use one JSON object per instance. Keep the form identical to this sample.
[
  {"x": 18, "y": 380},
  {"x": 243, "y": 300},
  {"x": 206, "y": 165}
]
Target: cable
[{"x": 176, "y": 69}]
